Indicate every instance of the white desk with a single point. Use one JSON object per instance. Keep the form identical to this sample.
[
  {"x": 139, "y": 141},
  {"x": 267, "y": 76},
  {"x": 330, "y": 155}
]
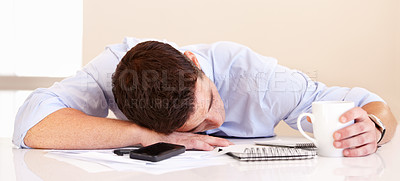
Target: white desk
[{"x": 22, "y": 164}]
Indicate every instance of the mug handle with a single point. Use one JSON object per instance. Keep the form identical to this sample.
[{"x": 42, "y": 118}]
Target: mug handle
[{"x": 301, "y": 129}]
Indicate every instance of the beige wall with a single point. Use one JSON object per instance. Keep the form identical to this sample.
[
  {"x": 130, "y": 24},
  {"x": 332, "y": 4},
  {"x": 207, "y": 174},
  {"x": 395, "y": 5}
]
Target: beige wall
[
  {"x": 396, "y": 101},
  {"x": 338, "y": 42}
]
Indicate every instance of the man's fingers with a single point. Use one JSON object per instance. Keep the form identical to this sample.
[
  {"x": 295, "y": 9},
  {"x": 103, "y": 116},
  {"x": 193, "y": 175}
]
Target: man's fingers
[
  {"x": 353, "y": 130},
  {"x": 360, "y": 151},
  {"x": 198, "y": 145},
  {"x": 215, "y": 141},
  {"x": 356, "y": 141},
  {"x": 207, "y": 143},
  {"x": 197, "y": 141},
  {"x": 356, "y": 113}
]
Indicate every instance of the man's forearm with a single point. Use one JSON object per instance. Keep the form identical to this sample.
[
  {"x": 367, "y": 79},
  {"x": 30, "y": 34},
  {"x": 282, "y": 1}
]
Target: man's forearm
[
  {"x": 72, "y": 129},
  {"x": 382, "y": 111}
]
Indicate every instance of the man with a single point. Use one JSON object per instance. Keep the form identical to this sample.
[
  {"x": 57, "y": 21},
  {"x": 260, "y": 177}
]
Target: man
[{"x": 169, "y": 93}]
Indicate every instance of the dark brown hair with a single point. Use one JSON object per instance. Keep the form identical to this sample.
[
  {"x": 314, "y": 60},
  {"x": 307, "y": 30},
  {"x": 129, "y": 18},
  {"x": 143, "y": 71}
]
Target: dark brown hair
[{"x": 154, "y": 86}]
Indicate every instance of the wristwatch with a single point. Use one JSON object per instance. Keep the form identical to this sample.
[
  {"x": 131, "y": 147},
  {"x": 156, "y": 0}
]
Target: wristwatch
[{"x": 378, "y": 124}]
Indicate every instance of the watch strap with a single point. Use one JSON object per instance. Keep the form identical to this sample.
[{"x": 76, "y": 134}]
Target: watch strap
[{"x": 379, "y": 125}]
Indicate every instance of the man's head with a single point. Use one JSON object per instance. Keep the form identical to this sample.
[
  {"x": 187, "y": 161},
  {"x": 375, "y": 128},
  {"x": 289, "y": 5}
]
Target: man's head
[{"x": 159, "y": 88}]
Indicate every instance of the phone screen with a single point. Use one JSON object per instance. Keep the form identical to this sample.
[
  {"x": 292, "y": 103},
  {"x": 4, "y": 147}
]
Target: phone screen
[
  {"x": 157, "y": 149},
  {"x": 157, "y": 152}
]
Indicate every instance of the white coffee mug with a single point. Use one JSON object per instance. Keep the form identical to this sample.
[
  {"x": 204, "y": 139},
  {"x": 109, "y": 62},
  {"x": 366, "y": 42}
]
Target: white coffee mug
[{"x": 325, "y": 120}]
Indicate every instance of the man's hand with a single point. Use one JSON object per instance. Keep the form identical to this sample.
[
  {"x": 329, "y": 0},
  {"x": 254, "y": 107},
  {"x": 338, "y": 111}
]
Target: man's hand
[
  {"x": 360, "y": 138},
  {"x": 192, "y": 141}
]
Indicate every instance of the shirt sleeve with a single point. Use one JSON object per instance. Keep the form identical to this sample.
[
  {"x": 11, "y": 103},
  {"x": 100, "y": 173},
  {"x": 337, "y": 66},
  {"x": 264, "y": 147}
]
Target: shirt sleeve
[
  {"x": 310, "y": 91},
  {"x": 83, "y": 92}
]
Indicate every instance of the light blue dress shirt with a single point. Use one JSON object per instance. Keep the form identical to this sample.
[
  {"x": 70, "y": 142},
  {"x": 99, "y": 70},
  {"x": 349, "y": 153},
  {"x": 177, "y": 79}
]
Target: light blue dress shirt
[{"x": 256, "y": 91}]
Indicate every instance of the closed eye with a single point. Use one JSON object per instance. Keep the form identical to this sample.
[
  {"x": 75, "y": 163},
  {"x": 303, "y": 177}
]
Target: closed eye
[
  {"x": 211, "y": 100},
  {"x": 192, "y": 130}
]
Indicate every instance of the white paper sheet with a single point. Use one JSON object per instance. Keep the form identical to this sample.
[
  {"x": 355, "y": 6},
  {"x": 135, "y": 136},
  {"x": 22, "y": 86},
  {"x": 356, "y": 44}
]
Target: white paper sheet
[
  {"x": 88, "y": 166},
  {"x": 106, "y": 160}
]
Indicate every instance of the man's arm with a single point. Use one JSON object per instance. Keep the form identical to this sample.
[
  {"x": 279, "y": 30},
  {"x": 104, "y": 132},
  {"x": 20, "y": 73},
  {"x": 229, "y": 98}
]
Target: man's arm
[
  {"x": 69, "y": 128},
  {"x": 361, "y": 138},
  {"x": 383, "y": 112}
]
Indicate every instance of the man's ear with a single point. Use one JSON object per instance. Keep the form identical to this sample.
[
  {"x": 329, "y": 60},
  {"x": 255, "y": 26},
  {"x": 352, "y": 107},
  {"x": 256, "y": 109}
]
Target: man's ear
[{"x": 193, "y": 58}]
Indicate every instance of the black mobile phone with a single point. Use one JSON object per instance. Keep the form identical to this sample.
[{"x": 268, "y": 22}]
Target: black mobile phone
[
  {"x": 157, "y": 152},
  {"x": 122, "y": 152}
]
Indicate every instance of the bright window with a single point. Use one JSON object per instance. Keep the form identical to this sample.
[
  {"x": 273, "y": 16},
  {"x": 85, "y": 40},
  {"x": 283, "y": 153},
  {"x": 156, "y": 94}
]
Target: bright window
[
  {"x": 40, "y": 38},
  {"x": 9, "y": 104}
]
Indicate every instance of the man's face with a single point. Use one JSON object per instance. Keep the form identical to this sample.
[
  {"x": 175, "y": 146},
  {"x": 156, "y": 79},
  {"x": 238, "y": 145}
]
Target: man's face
[{"x": 209, "y": 112}]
